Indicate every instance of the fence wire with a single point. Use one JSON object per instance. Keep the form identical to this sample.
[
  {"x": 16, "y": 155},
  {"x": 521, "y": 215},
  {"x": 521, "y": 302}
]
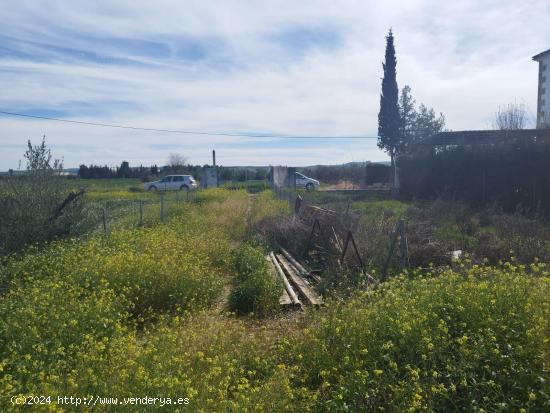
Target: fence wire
[{"x": 129, "y": 213}]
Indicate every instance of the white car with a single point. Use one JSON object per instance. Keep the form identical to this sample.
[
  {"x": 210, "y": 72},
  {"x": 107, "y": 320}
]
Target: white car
[
  {"x": 172, "y": 183},
  {"x": 303, "y": 181}
]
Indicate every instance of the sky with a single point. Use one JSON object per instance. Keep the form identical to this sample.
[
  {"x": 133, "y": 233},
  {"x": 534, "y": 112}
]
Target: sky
[{"x": 307, "y": 68}]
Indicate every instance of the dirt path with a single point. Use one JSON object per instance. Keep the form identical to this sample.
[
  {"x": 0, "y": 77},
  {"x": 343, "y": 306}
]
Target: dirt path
[
  {"x": 222, "y": 304},
  {"x": 248, "y": 217}
]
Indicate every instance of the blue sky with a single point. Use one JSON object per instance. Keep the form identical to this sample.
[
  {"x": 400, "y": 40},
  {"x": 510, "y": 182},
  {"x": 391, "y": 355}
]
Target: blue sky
[{"x": 271, "y": 67}]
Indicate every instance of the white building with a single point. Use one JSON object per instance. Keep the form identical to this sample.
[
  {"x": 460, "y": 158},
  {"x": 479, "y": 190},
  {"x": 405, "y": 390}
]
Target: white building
[{"x": 543, "y": 101}]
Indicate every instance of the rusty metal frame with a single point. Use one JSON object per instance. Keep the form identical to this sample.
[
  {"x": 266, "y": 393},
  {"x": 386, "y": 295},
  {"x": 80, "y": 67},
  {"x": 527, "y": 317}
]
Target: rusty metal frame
[
  {"x": 345, "y": 250},
  {"x": 315, "y": 223}
]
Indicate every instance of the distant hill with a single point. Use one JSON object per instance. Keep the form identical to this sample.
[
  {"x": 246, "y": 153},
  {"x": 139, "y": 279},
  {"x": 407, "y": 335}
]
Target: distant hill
[
  {"x": 348, "y": 164},
  {"x": 66, "y": 171}
]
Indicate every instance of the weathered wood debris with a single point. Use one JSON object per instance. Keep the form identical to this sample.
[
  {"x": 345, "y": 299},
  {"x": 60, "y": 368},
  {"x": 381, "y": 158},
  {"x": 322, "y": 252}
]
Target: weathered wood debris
[{"x": 298, "y": 290}]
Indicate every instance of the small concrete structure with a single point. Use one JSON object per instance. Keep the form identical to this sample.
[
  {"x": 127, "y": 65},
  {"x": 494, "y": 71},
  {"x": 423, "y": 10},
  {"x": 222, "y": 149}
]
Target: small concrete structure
[
  {"x": 282, "y": 177},
  {"x": 209, "y": 177}
]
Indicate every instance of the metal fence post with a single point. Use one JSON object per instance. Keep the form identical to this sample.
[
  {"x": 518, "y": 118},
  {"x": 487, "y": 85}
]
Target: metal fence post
[
  {"x": 403, "y": 245},
  {"x": 162, "y": 207},
  {"x": 140, "y": 212},
  {"x": 393, "y": 241},
  {"x": 104, "y": 221},
  {"x": 297, "y": 205}
]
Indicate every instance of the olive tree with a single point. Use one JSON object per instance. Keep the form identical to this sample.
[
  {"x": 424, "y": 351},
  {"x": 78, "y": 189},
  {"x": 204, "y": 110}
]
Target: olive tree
[{"x": 38, "y": 205}]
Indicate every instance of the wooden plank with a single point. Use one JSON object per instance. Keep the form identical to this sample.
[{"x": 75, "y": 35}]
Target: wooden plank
[
  {"x": 293, "y": 296},
  {"x": 299, "y": 267},
  {"x": 284, "y": 299},
  {"x": 306, "y": 291},
  {"x": 310, "y": 296},
  {"x": 296, "y": 264}
]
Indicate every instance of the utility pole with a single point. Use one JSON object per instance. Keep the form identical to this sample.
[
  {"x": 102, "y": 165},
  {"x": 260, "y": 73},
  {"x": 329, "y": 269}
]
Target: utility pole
[{"x": 215, "y": 167}]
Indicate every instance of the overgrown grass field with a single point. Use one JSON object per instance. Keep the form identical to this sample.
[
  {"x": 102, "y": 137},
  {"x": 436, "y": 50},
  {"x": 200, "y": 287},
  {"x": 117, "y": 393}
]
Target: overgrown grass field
[{"x": 150, "y": 311}]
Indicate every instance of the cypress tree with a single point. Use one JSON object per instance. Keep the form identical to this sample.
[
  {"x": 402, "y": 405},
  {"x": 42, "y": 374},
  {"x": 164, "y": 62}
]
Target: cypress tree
[{"x": 389, "y": 121}]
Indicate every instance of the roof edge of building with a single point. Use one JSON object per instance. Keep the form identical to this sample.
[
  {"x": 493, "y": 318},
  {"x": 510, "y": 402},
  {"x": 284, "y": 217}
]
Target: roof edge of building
[{"x": 541, "y": 54}]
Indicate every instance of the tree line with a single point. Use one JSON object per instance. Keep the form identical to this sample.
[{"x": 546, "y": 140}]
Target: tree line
[
  {"x": 146, "y": 173},
  {"x": 122, "y": 171}
]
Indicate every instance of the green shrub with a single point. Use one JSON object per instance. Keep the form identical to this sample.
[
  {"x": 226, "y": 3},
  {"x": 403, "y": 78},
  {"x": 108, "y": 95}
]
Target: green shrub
[
  {"x": 248, "y": 262},
  {"x": 453, "y": 234},
  {"x": 50, "y": 323},
  {"x": 180, "y": 263},
  {"x": 39, "y": 206},
  {"x": 214, "y": 360},
  {"x": 154, "y": 268},
  {"x": 473, "y": 340},
  {"x": 255, "y": 289}
]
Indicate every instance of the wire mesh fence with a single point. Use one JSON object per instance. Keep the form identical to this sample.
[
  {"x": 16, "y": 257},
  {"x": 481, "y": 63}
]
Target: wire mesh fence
[
  {"x": 333, "y": 198},
  {"x": 113, "y": 214}
]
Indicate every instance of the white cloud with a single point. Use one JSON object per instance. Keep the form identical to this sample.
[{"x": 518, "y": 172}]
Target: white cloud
[{"x": 462, "y": 58}]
